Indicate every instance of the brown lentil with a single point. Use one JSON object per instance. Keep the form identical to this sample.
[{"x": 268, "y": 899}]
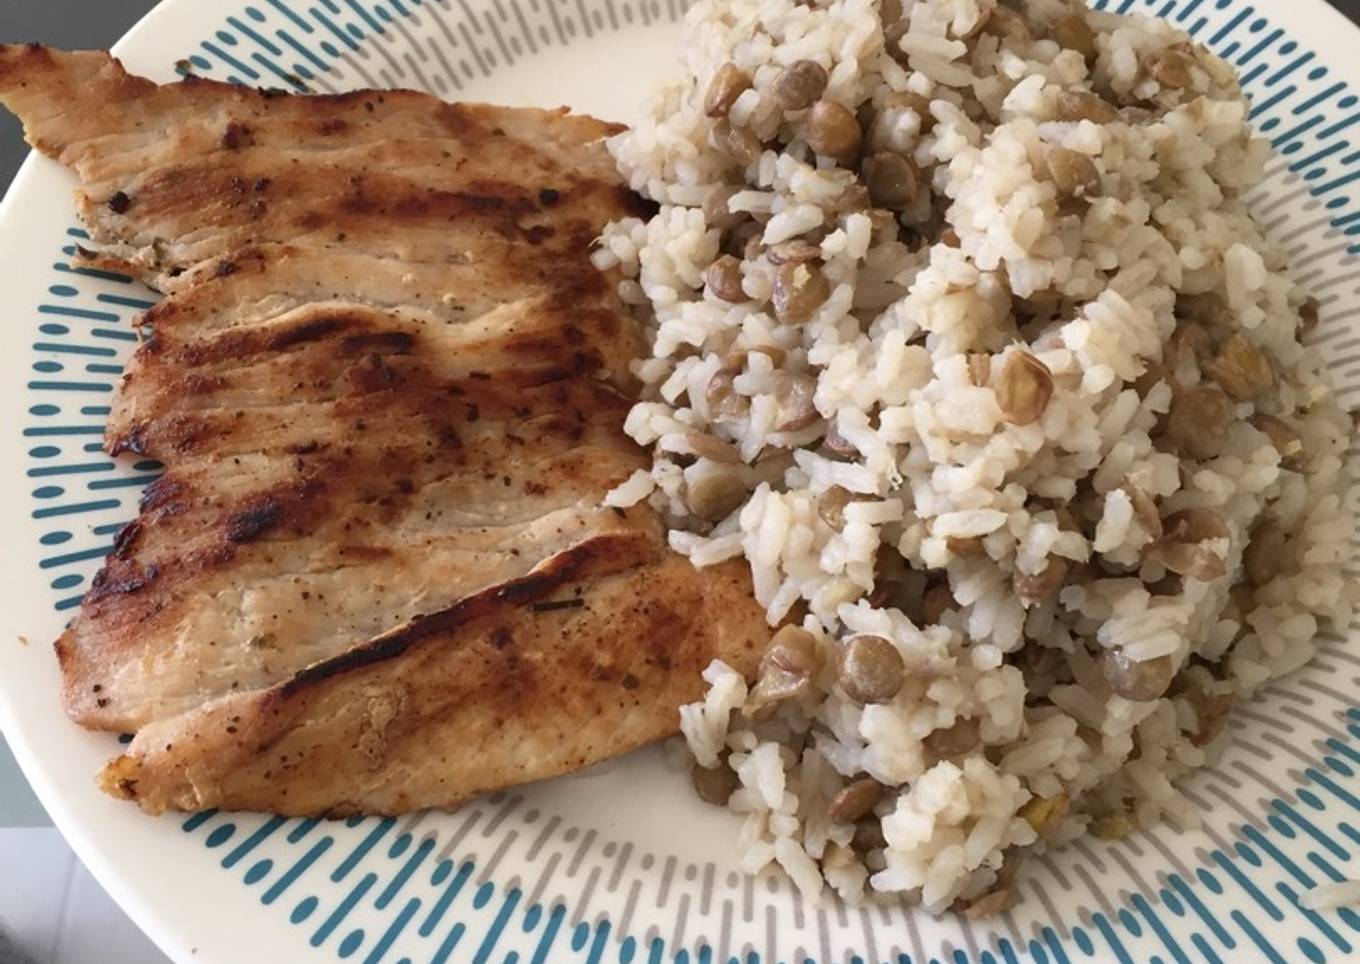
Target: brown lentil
[
  {"x": 855, "y": 800},
  {"x": 1211, "y": 713},
  {"x": 1207, "y": 309},
  {"x": 1187, "y": 559},
  {"x": 1193, "y": 526},
  {"x": 1169, "y": 67},
  {"x": 1073, "y": 32},
  {"x": 713, "y": 448},
  {"x": 1008, "y": 24},
  {"x": 1024, "y": 388},
  {"x": 937, "y": 601},
  {"x": 736, "y": 142},
  {"x": 723, "y": 278},
  {"x": 786, "y": 669},
  {"x": 716, "y": 212},
  {"x": 1308, "y": 316},
  {"x": 891, "y": 180},
  {"x": 1261, "y": 557},
  {"x": 831, "y": 505},
  {"x": 994, "y": 901},
  {"x": 729, "y": 82},
  {"x": 870, "y": 669},
  {"x": 1198, "y": 421},
  {"x": 831, "y": 130},
  {"x": 796, "y": 251},
  {"x": 1040, "y": 586},
  {"x": 962, "y": 736},
  {"x": 715, "y": 785},
  {"x": 838, "y": 444},
  {"x": 1284, "y": 438},
  {"x": 1072, "y": 173},
  {"x": 791, "y": 649},
  {"x": 713, "y": 495},
  {"x": 799, "y": 290},
  {"x": 1139, "y": 681},
  {"x": 793, "y": 395},
  {"x": 1190, "y": 340},
  {"x": 868, "y": 835},
  {"x": 1079, "y": 105},
  {"x": 966, "y": 546},
  {"x": 798, "y": 85},
  {"x": 722, "y": 398},
  {"x": 1241, "y": 369}
]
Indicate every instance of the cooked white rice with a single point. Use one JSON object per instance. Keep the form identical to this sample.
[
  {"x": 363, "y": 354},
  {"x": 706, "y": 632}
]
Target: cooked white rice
[
  {"x": 1331, "y": 896},
  {"x": 1044, "y": 423}
]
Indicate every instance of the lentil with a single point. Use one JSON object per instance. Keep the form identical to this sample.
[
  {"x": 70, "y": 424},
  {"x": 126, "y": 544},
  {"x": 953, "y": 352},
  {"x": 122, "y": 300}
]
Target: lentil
[
  {"x": 722, "y": 398},
  {"x": 799, "y": 290},
  {"x": 1072, "y": 173},
  {"x": 793, "y": 395},
  {"x": 1079, "y": 105},
  {"x": 831, "y": 130},
  {"x": 729, "y": 82},
  {"x": 1198, "y": 421},
  {"x": 713, "y": 495},
  {"x": 1072, "y": 31},
  {"x": 891, "y": 180},
  {"x": 799, "y": 85},
  {"x": 1284, "y": 438},
  {"x": 714, "y": 786},
  {"x": 1241, "y": 369},
  {"x": 870, "y": 669},
  {"x": 1139, "y": 681},
  {"x": 962, "y": 736},
  {"x": 1024, "y": 388},
  {"x": 855, "y": 800}
]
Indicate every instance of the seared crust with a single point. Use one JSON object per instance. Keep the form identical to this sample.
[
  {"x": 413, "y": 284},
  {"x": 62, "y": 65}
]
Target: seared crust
[
  {"x": 584, "y": 659},
  {"x": 385, "y": 381}
]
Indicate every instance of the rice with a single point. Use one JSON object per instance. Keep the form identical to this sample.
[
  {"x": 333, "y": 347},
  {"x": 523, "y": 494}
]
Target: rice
[
  {"x": 1005, "y": 377},
  {"x": 1329, "y": 896}
]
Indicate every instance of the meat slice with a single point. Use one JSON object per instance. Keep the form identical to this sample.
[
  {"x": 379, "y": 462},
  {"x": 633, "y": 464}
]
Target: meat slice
[
  {"x": 585, "y": 658},
  {"x": 331, "y": 473},
  {"x": 175, "y": 175},
  {"x": 388, "y": 388}
]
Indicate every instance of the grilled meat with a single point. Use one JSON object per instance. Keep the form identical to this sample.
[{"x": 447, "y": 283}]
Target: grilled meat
[
  {"x": 585, "y": 658},
  {"x": 388, "y": 388}
]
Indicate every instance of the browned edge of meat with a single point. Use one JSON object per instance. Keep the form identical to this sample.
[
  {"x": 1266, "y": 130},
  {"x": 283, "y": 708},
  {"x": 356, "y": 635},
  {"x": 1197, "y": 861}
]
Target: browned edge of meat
[{"x": 587, "y": 657}]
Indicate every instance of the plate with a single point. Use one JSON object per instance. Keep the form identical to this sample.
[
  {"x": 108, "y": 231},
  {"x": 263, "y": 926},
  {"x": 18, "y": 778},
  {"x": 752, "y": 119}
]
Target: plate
[{"x": 619, "y": 864}]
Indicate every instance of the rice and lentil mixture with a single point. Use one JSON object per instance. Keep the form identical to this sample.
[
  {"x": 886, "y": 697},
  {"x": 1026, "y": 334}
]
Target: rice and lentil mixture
[{"x": 963, "y": 336}]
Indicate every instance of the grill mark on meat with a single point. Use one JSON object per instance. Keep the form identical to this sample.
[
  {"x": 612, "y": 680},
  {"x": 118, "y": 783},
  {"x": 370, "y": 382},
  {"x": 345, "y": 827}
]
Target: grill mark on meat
[
  {"x": 106, "y": 583},
  {"x": 418, "y": 411},
  {"x": 600, "y": 555},
  {"x": 249, "y": 524},
  {"x": 236, "y": 136},
  {"x": 242, "y": 344},
  {"x": 390, "y": 342}
]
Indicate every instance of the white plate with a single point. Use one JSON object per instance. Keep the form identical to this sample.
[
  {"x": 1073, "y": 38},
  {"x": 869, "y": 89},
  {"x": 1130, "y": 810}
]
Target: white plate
[{"x": 619, "y": 863}]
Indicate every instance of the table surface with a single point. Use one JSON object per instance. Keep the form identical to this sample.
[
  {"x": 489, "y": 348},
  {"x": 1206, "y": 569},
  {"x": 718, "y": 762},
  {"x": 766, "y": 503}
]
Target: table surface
[{"x": 82, "y": 906}]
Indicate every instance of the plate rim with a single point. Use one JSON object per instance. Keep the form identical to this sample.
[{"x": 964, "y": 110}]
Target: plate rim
[{"x": 1324, "y": 29}]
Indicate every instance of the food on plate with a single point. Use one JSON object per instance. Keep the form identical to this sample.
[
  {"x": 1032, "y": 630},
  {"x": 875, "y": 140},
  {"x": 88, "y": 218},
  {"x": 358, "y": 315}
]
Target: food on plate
[
  {"x": 388, "y": 388},
  {"x": 959, "y": 306}
]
